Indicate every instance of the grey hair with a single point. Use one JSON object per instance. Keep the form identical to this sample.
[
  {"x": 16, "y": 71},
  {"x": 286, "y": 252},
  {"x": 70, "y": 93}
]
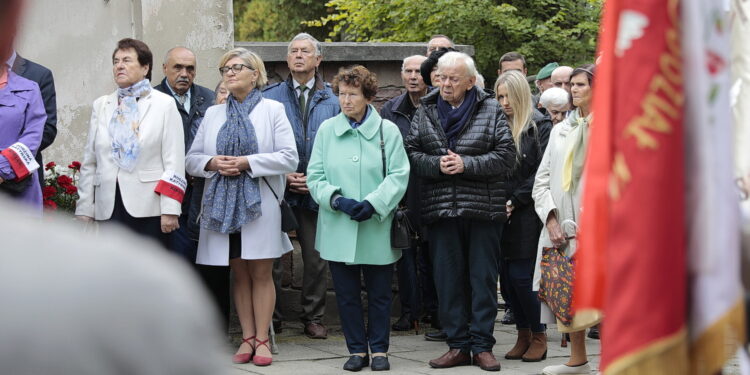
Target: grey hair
[
  {"x": 455, "y": 58},
  {"x": 555, "y": 97},
  {"x": 166, "y": 55},
  {"x": 480, "y": 81},
  {"x": 306, "y": 36},
  {"x": 403, "y": 64}
]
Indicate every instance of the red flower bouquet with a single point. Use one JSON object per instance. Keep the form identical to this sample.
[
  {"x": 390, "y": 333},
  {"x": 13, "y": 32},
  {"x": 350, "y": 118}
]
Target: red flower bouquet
[{"x": 60, "y": 191}]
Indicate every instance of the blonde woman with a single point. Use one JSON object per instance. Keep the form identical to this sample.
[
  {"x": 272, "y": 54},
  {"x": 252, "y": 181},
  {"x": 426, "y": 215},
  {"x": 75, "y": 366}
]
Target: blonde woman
[
  {"x": 530, "y": 130},
  {"x": 243, "y": 149}
]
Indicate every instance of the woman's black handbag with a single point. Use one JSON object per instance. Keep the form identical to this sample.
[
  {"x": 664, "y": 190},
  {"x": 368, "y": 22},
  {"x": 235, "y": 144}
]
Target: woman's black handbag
[
  {"x": 288, "y": 220},
  {"x": 402, "y": 231}
]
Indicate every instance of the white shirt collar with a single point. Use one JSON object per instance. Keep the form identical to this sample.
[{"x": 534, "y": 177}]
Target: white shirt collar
[
  {"x": 12, "y": 59},
  {"x": 187, "y": 95},
  {"x": 309, "y": 83}
]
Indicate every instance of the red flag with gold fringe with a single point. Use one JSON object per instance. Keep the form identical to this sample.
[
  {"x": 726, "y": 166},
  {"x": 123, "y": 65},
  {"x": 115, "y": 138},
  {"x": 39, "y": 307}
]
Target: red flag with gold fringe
[{"x": 631, "y": 252}]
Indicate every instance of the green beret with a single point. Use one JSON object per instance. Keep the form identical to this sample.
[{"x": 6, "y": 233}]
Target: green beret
[{"x": 546, "y": 72}]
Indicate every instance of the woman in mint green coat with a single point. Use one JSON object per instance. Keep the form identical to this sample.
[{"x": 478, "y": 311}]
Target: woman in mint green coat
[{"x": 345, "y": 177}]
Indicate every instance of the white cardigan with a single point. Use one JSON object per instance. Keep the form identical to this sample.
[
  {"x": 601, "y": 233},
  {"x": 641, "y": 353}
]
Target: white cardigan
[
  {"x": 262, "y": 238},
  {"x": 162, "y": 148}
]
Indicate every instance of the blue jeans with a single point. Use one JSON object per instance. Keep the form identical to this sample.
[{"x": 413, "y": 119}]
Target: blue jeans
[{"x": 347, "y": 282}]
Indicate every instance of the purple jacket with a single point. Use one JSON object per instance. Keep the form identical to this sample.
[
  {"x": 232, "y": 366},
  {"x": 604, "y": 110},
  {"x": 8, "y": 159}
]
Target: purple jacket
[{"x": 22, "y": 118}]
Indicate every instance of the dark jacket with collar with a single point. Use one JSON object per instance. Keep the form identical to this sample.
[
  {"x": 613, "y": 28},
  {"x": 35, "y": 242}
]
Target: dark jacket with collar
[
  {"x": 486, "y": 148},
  {"x": 322, "y": 105},
  {"x": 521, "y": 233},
  {"x": 43, "y": 77},
  {"x": 200, "y": 99},
  {"x": 396, "y": 110}
]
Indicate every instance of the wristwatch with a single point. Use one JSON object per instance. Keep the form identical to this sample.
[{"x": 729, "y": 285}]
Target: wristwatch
[{"x": 509, "y": 203}]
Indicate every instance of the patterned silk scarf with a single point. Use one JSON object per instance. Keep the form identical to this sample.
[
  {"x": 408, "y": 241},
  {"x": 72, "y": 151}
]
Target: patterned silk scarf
[
  {"x": 123, "y": 127},
  {"x": 232, "y": 201}
]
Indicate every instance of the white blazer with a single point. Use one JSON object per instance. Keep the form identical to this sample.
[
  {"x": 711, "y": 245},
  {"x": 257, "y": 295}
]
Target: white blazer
[
  {"x": 162, "y": 148},
  {"x": 261, "y": 238}
]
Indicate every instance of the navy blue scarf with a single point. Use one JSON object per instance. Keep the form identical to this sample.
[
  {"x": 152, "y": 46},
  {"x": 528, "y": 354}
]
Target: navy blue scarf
[
  {"x": 232, "y": 201},
  {"x": 454, "y": 120}
]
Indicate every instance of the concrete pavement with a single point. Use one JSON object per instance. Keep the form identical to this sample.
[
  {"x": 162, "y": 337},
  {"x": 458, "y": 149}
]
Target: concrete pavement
[{"x": 409, "y": 354}]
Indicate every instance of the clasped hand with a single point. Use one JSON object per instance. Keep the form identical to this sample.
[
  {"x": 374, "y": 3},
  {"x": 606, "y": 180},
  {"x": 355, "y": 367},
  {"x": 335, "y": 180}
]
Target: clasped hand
[
  {"x": 297, "y": 183},
  {"x": 451, "y": 164},
  {"x": 228, "y": 165},
  {"x": 359, "y": 211}
]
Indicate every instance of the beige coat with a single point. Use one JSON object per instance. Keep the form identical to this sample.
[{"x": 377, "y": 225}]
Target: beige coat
[{"x": 549, "y": 196}]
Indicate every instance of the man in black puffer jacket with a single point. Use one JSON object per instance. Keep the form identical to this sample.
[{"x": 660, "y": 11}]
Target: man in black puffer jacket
[{"x": 461, "y": 146}]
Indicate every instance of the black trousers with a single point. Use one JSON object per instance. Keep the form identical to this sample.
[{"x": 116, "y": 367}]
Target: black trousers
[
  {"x": 465, "y": 258},
  {"x": 144, "y": 226},
  {"x": 348, "y": 286},
  {"x": 518, "y": 277}
]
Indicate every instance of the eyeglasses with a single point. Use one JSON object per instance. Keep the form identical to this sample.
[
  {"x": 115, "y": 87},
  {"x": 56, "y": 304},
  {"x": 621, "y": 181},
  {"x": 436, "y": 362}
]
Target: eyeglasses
[{"x": 236, "y": 68}]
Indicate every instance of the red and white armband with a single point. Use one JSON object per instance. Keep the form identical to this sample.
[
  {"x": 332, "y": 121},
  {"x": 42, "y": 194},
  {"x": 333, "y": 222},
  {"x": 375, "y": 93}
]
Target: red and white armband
[
  {"x": 21, "y": 160},
  {"x": 171, "y": 185}
]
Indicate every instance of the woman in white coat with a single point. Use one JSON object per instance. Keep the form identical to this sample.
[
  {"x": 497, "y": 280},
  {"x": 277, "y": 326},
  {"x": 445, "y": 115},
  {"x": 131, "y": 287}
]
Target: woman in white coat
[
  {"x": 557, "y": 200},
  {"x": 244, "y": 148},
  {"x": 133, "y": 166}
]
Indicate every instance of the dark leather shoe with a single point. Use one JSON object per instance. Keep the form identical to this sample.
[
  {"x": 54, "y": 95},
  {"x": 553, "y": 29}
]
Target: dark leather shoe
[
  {"x": 436, "y": 336},
  {"x": 402, "y": 324},
  {"x": 452, "y": 358},
  {"x": 356, "y": 363},
  {"x": 380, "y": 363},
  {"x": 486, "y": 361},
  {"x": 316, "y": 331},
  {"x": 508, "y": 318},
  {"x": 594, "y": 332}
]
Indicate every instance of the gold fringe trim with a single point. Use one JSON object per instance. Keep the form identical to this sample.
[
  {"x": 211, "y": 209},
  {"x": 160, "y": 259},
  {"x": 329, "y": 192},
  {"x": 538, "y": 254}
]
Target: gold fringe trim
[
  {"x": 662, "y": 357},
  {"x": 719, "y": 342},
  {"x": 581, "y": 320}
]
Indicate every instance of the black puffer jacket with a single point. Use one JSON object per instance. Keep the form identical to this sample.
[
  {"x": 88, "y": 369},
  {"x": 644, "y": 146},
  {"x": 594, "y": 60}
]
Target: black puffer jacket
[
  {"x": 486, "y": 148},
  {"x": 521, "y": 233}
]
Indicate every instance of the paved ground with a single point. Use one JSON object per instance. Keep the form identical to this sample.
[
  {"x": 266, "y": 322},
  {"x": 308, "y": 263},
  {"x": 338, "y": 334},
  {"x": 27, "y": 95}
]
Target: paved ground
[{"x": 409, "y": 354}]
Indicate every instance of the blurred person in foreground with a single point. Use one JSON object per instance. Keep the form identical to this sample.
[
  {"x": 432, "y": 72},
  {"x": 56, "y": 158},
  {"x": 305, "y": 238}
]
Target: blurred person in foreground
[
  {"x": 120, "y": 305},
  {"x": 133, "y": 169},
  {"x": 358, "y": 174},
  {"x": 243, "y": 149},
  {"x": 19, "y": 110}
]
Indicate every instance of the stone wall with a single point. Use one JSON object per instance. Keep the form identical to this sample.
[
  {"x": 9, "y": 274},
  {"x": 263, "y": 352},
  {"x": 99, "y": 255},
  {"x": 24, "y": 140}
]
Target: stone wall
[{"x": 75, "y": 39}]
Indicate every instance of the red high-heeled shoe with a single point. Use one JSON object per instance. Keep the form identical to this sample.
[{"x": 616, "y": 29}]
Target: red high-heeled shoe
[
  {"x": 245, "y": 357},
  {"x": 260, "y": 360}
]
